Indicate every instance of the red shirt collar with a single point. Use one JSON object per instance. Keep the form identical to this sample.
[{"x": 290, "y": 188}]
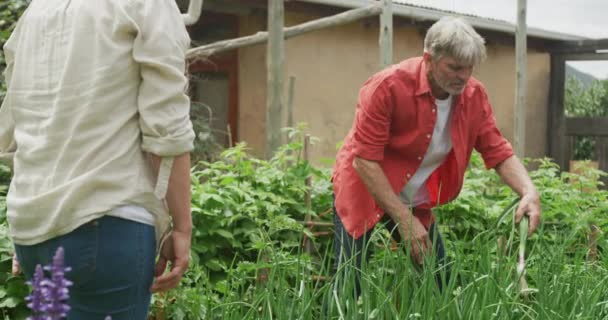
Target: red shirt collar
[{"x": 423, "y": 84}]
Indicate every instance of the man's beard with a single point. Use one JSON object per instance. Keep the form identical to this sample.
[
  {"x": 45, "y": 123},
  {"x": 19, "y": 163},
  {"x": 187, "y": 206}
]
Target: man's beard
[{"x": 445, "y": 86}]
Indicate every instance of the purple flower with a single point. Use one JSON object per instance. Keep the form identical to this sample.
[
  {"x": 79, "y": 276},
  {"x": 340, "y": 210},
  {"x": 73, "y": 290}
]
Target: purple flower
[
  {"x": 36, "y": 300},
  {"x": 49, "y": 296},
  {"x": 57, "y": 293}
]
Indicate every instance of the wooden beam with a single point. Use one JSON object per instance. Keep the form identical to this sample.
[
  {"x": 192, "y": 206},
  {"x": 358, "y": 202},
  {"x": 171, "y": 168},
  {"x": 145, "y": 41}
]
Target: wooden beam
[
  {"x": 585, "y": 56},
  {"x": 386, "y": 34},
  {"x": 587, "y": 126},
  {"x": 520, "y": 87},
  {"x": 206, "y": 51},
  {"x": 275, "y": 60},
  {"x": 581, "y": 46}
]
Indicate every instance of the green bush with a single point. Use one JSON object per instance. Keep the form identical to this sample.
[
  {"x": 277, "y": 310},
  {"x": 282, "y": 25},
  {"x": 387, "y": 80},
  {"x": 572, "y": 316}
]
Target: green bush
[
  {"x": 585, "y": 102},
  {"x": 12, "y": 289},
  {"x": 241, "y": 204},
  {"x": 10, "y": 11},
  {"x": 570, "y": 204}
]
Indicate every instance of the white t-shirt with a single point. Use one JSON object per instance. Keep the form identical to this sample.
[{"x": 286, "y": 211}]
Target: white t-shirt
[{"x": 415, "y": 193}]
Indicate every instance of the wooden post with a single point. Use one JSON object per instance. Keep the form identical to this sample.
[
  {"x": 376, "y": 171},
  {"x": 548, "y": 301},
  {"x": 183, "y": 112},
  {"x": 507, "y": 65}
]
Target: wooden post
[
  {"x": 520, "y": 89},
  {"x": 386, "y": 34},
  {"x": 593, "y": 236},
  {"x": 229, "y": 129},
  {"x": 569, "y": 143},
  {"x": 307, "y": 196},
  {"x": 292, "y": 82},
  {"x": 275, "y": 63},
  {"x": 601, "y": 152},
  {"x": 556, "y": 121}
]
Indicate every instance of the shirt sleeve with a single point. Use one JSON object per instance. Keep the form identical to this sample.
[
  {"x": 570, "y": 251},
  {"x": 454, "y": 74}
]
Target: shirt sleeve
[
  {"x": 160, "y": 49},
  {"x": 372, "y": 121},
  {"x": 494, "y": 148},
  {"x": 8, "y": 145}
]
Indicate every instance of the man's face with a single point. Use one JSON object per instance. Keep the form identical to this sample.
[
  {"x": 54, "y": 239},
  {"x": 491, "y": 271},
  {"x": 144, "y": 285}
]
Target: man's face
[{"x": 448, "y": 74}]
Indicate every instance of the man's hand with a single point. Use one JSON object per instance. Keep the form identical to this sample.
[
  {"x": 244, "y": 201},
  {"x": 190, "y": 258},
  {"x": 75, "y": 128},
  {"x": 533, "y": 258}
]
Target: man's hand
[
  {"x": 529, "y": 205},
  {"x": 514, "y": 174},
  {"x": 176, "y": 251},
  {"x": 410, "y": 228},
  {"x": 417, "y": 236}
]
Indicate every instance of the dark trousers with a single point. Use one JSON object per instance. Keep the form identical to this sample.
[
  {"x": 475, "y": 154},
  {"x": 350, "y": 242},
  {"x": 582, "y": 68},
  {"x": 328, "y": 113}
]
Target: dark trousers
[{"x": 348, "y": 248}]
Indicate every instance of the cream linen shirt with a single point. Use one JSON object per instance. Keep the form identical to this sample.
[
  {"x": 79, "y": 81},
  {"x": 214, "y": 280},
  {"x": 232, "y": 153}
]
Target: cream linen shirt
[{"x": 93, "y": 85}]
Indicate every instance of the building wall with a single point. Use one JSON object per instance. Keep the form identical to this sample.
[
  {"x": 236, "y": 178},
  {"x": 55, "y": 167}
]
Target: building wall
[
  {"x": 498, "y": 75},
  {"x": 330, "y": 65},
  {"x": 252, "y": 87}
]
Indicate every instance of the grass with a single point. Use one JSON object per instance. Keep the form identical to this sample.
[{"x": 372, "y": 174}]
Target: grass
[{"x": 483, "y": 285}]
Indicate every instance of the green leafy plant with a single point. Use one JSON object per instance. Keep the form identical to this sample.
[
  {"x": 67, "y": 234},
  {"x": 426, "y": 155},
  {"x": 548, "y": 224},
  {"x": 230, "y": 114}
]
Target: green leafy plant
[
  {"x": 248, "y": 261},
  {"x": 585, "y": 102},
  {"x": 570, "y": 204},
  {"x": 241, "y": 203},
  {"x": 12, "y": 289},
  {"x": 247, "y": 211}
]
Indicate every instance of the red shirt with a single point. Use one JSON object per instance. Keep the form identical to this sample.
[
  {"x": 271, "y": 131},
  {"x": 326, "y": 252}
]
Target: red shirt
[{"x": 393, "y": 125}]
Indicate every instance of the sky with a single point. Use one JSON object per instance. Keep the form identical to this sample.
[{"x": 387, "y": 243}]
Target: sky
[{"x": 585, "y": 18}]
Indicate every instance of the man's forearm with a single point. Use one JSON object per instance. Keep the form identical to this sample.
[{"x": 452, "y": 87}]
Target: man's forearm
[
  {"x": 178, "y": 191},
  {"x": 377, "y": 184},
  {"x": 515, "y": 175}
]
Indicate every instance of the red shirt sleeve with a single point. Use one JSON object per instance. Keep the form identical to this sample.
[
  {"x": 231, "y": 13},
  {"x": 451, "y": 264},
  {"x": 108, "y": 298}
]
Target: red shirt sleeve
[
  {"x": 372, "y": 120},
  {"x": 494, "y": 148}
]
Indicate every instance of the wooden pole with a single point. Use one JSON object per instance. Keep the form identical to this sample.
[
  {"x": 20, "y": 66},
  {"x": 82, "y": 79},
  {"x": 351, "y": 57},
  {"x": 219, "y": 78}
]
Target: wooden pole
[
  {"x": 520, "y": 88},
  {"x": 592, "y": 255},
  {"x": 229, "y": 129},
  {"x": 386, "y": 34},
  {"x": 275, "y": 60},
  {"x": 292, "y": 82},
  {"x": 601, "y": 152},
  {"x": 203, "y": 52},
  {"x": 313, "y": 224}
]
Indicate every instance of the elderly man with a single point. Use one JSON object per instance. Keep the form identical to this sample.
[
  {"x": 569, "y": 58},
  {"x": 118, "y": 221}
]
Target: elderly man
[
  {"x": 96, "y": 122},
  {"x": 415, "y": 127}
]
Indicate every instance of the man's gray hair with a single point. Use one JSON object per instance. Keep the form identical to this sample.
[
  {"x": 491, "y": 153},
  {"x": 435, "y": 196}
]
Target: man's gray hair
[{"x": 454, "y": 37}]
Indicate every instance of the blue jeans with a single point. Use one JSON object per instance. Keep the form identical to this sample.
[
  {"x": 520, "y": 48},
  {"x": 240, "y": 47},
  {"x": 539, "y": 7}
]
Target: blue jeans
[
  {"x": 112, "y": 263},
  {"x": 347, "y": 248}
]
